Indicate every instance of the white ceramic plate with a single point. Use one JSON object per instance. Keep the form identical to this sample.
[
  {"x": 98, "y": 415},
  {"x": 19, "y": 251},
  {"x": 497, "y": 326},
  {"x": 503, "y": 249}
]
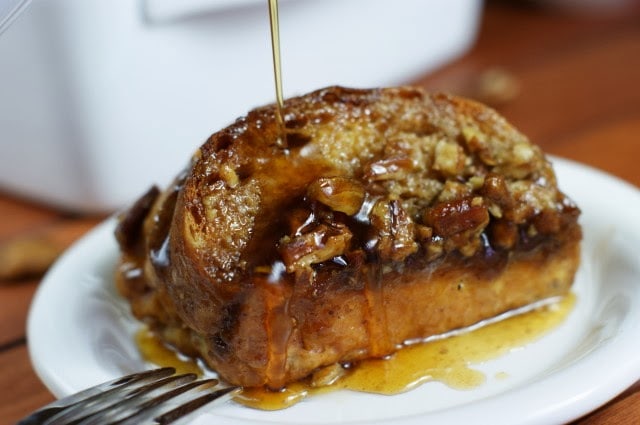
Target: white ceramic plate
[{"x": 80, "y": 333}]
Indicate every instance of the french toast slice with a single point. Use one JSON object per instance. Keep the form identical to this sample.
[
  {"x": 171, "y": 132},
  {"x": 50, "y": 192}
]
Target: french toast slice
[{"x": 374, "y": 218}]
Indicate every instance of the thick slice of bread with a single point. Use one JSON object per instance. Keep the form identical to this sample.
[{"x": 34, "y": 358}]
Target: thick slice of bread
[{"x": 380, "y": 216}]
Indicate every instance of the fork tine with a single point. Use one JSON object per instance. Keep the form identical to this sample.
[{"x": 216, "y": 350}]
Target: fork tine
[
  {"x": 54, "y": 408},
  {"x": 115, "y": 399},
  {"x": 148, "y": 397},
  {"x": 153, "y": 397},
  {"x": 217, "y": 397},
  {"x": 179, "y": 405}
]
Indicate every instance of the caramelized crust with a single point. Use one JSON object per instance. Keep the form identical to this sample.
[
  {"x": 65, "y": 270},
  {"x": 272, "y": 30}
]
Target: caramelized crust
[{"x": 382, "y": 216}]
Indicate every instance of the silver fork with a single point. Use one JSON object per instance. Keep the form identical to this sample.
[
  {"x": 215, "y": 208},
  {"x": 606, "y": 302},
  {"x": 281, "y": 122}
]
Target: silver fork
[{"x": 157, "y": 396}]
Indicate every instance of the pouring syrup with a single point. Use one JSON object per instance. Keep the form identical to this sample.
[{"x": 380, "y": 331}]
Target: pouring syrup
[{"x": 277, "y": 70}]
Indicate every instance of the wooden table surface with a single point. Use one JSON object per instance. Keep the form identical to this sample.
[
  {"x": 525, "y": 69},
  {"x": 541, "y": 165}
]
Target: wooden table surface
[{"x": 570, "y": 80}]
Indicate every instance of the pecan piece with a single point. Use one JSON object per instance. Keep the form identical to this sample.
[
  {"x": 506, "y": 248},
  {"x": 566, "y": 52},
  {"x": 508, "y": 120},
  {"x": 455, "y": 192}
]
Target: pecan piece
[
  {"x": 460, "y": 223},
  {"x": 338, "y": 193},
  {"x": 497, "y": 194},
  {"x": 394, "y": 231},
  {"x": 320, "y": 244},
  {"x": 389, "y": 169},
  {"x": 504, "y": 234},
  {"x": 478, "y": 144},
  {"x": 547, "y": 222},
  {"x": 449, "y": 158},
  {"x": 450, "y": 218}
]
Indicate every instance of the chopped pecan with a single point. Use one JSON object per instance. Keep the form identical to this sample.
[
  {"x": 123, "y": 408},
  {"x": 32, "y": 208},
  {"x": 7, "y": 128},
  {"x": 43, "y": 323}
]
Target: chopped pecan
[
  {"x": 394, "y": 231},
  {"x": 496, "y": 194},
  {"x": 389, "y": 168},
  {"x": 504, "y": 234},
  {"x": 495, "y": 189},
  {"x": 423, "y": 233},
  {"x": 529, "y": 199},
  {"x": 453, "y": 190},
  {"x": 547, "y": 222},
  {"x": 449, "y": 158},
  {"x": 478, "y": 144},
  {"x": 320, "y": 244},
  {"x": 450, "y": 218},
  {"x": 338, "y": 193},
  {"x": 434, "y": 248},
  {"x": 523, "y": 153},
  {"x": 476, "y": 182}
]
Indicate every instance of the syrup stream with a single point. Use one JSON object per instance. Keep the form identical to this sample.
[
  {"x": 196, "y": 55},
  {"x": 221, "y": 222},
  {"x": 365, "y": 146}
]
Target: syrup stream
[{"x": 277, "y": 69}]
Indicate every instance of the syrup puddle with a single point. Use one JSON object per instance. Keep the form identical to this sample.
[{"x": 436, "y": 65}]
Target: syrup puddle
[{"x": 447, "y": 359}]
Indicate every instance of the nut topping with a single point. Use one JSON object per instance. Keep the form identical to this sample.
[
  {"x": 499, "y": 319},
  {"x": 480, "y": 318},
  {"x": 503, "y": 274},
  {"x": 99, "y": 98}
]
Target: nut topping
[
  {"x": 450, "y": 218},
  {"x": 389, "y": 169},
  {"x": 321, "y": 244},
  {"x": 450, "y": 158},
  {"x": 394, "y": 231},
  {"x": 338, "y": 193}
]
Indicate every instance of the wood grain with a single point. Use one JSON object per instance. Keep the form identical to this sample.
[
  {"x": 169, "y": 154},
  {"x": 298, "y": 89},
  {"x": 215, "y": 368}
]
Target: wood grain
[
  {"x": 16, "y": 298},
  {"x": 21, "y": 390},
  {"x": 19, "y": 216},
  {"x": 620, "y": 155}
]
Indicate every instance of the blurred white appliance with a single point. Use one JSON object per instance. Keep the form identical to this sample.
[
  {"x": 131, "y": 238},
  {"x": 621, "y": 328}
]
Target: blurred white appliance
[
  {"x": 9, "y": 10},
  {"x": 99, "y": 99}
]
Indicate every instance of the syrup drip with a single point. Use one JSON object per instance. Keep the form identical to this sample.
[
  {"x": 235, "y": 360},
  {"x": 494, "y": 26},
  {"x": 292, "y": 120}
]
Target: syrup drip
[
  {"x": 448, "y": 360},
  {"x": 154, "y": 350}
]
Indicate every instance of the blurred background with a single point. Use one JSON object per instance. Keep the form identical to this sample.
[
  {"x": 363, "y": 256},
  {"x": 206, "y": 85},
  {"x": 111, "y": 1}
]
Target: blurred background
[{"x": 99, "y": 99}]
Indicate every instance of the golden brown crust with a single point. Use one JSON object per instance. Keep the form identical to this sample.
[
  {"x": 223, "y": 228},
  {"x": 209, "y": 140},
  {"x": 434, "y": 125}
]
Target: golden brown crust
[{"x": 271, "y": 261}]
